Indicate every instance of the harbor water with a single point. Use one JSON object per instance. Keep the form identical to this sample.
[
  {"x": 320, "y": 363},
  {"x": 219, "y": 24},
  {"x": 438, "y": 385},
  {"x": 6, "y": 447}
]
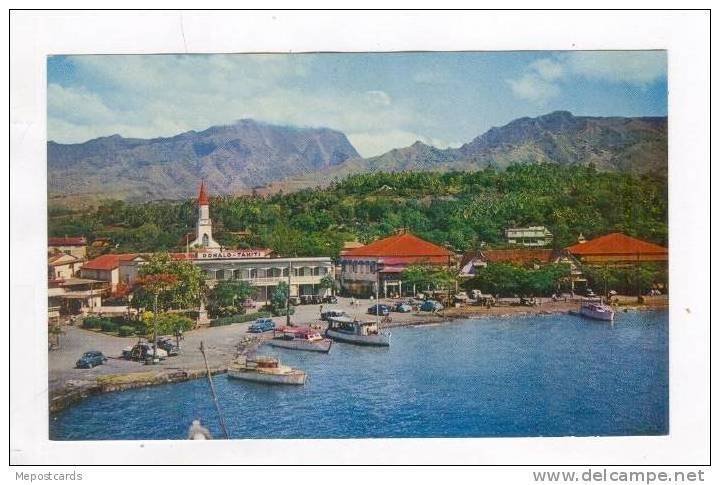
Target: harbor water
[{"x": 550, "y": 375}]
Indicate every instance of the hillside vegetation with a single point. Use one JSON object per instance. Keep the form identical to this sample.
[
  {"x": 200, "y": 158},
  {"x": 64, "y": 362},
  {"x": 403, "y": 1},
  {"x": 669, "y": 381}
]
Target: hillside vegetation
[{"x": 459, "y": 209}]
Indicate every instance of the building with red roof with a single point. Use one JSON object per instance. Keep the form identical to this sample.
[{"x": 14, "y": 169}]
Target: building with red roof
[
  {"x": 113, "y": 268},
  {"x": 383, "y": 261},
  {"x": 76, "y": 245},
  {"x": 617, "y": 248}
]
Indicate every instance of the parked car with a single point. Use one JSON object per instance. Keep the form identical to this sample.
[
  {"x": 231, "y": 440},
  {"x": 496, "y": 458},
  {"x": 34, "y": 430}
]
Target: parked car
[
  {"x": 262, "y": 325},
  {"x": 431, "y": 306},
  {"x": 168, "y": 345},
  {"x": 379, "y": 309},
  {"x": 330, "y": 299},
  {"x": 90, "y": 359},
  {"x": 402, "y": 308},
  {"x": 143, "y": 351},
  {"x": 295, "y": 300},
  {"x": 331, "y": 313}
]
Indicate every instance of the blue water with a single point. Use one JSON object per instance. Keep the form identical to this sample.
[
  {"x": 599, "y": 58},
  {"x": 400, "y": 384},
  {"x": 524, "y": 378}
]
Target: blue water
[{"x": 526, "y": 376}]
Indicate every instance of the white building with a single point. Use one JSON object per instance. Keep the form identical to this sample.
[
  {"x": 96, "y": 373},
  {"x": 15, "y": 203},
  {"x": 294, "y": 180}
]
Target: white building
[
  {"x": 528, "y": 236},
  {"x": 204, "y": 237}
]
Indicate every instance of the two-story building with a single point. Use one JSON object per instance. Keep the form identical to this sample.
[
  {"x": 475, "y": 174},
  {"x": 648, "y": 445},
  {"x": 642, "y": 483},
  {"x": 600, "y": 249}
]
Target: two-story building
[
  {"x": 379, "y": 265},
  {"x": 528, "y": 236},
  {"x": 76, "y": 246}
]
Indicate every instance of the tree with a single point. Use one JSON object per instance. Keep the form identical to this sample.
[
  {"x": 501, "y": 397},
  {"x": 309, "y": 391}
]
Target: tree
[
  {"x": 278, "y": 300},
  {"x": 157, "y": 284},
  {"x": 185, "y": 292},
  {"x": 224, "y": 298},
  {"x": 327, "y": 282}
]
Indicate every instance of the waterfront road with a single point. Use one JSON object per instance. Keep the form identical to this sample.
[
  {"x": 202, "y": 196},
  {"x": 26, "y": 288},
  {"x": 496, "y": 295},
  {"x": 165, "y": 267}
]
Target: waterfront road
[{"x": 220, "y": 344}]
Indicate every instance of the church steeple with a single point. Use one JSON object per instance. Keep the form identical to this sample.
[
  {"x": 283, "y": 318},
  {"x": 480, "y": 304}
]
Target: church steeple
[
  {"x": 204, "y": 225},
  {"x": 202, "y": 197}
]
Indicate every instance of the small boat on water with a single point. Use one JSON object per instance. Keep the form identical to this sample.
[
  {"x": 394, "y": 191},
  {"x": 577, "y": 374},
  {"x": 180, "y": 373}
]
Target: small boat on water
[
  {"x": 597, "y": 310},
  {"x": 345, "y": 329},
  {"x": 267, "y": 370},
  {"x": 300, "y": 338}
]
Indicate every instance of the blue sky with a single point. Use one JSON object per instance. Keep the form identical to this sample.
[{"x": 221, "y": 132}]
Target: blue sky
[{"x": 380, "y": 101}]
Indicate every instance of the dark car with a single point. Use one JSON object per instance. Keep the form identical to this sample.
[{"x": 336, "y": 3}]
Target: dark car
[
  {"x": 379, "y": 309},
  {"x": 90, "y": 359},
  {"x": 431, "y": 306},
  {"x": 168, "y": 345},
  {"x": 330, "y": 299},
  {"x": 262, "y": 325}
]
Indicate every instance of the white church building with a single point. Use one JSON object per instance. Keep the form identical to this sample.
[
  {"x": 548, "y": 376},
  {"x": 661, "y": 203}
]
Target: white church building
[{"x": 259, "y": 267}]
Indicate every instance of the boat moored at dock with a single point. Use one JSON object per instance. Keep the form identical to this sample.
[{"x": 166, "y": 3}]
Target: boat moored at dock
[
  {"x": 347, "y": 330},
  {"x": 267, "y": 370},
  {"x": 300, "y": 338},
  {"x": 597, "y": 310}
]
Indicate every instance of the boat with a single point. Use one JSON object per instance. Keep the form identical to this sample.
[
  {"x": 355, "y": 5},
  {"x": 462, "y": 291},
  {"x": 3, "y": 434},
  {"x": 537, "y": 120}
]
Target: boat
[
  {"x": 597, "y": 310},
  {"x": 300, "y": 338},
  {"x": 347, "y": 330},
  {"x": 267, "y": 370}
]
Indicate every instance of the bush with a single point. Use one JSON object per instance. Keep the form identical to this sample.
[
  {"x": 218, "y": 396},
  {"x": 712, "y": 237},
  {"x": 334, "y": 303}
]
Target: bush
[
  {"x": 108, "y": 326},
  {"x": 92, "y": 322},
  {"x": 240, "y": 318},
  {"x": 126, "y": 331}
]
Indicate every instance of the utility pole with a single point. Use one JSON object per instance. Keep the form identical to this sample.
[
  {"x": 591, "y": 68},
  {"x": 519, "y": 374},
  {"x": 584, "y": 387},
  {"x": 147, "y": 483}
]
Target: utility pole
[
  {"x": 155, "y": 299},
  {"x": 287, "y": 301}
]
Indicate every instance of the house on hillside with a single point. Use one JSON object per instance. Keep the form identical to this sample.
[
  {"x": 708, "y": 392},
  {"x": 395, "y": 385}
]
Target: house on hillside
[
  {"x": 529, "y": 236},
  {"x": 77, "y": 246}
]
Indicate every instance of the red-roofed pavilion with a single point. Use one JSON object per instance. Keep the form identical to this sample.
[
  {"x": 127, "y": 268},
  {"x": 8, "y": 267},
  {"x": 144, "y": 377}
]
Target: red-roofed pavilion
[
  {"x": 618, "y": 248},
  {"x": 389, "y": 257}
]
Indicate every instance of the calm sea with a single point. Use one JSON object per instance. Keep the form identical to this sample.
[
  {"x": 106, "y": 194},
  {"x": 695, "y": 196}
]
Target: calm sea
[{"x": 526, "y": 376}]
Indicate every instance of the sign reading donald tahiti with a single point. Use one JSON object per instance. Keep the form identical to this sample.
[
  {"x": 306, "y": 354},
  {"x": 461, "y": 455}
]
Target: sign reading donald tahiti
[{"x": 234, "y": 254}]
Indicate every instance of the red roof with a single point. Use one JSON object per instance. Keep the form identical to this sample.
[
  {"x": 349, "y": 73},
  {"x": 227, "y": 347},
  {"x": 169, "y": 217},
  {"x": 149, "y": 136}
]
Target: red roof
[
  {"x": 108, "y": 262},
  {"x": 203, "y": 197},
  {"x": 67, "y": 241},
  {"x": 518, "y": 256},
  {"x": 400, "y": 245},
  {"x": 616, "y": 244}
]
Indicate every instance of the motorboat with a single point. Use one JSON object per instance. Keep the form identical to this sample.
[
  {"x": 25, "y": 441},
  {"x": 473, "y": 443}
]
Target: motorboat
[
  {"x": 266, "y": 370},
  {"x": 597, "y": 310},
  {"x": 347, "y": 330},
  {"x": 300, "y": 338}
]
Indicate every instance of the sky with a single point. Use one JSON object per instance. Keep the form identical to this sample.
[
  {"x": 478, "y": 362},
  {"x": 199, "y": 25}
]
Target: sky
[{"x": 380, "y": 101}]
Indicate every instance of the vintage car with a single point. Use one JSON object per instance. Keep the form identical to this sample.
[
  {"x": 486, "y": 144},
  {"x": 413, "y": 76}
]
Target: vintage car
[
  {"x": 90, "y": 359},
  {"x": 262, "y": 325}
]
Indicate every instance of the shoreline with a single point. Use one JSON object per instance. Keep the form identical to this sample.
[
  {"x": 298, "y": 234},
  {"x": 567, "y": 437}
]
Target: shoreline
[{"x": 73, "y": 391}]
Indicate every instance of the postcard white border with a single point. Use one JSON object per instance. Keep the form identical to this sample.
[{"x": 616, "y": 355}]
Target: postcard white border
[{"x": 684, "y": 34}]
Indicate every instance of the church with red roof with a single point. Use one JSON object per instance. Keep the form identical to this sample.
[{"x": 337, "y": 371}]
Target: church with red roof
[{"x": 384, "y": 260}]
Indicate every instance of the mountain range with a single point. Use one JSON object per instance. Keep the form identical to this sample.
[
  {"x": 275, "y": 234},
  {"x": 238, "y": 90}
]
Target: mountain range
[{"x": 248, "y": 154}]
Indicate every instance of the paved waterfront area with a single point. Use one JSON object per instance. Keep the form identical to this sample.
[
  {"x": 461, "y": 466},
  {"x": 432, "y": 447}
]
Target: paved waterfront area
[{"x": 220, "y": 344}]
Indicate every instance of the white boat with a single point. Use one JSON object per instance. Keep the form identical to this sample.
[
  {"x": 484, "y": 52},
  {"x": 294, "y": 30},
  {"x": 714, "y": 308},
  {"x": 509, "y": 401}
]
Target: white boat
[
  {"x": 345, "y": 329},
  {"x": 267, "y": 370},
  {"x": 597, "y": 310},
  {"x": 300, "y": 338}
]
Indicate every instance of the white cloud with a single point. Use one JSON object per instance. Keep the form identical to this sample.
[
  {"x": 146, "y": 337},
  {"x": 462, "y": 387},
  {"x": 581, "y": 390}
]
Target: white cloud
[
  {"x": 150, "y": 96},
  {"x": 378, "y": 97},
  {"x": 633, "y": 67},
  {"x": 548, "y": 69},
  {"x": 373, "y": 143},
  {"x": 534, "y": 88},
  {"x": 541, "y": 80}
]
